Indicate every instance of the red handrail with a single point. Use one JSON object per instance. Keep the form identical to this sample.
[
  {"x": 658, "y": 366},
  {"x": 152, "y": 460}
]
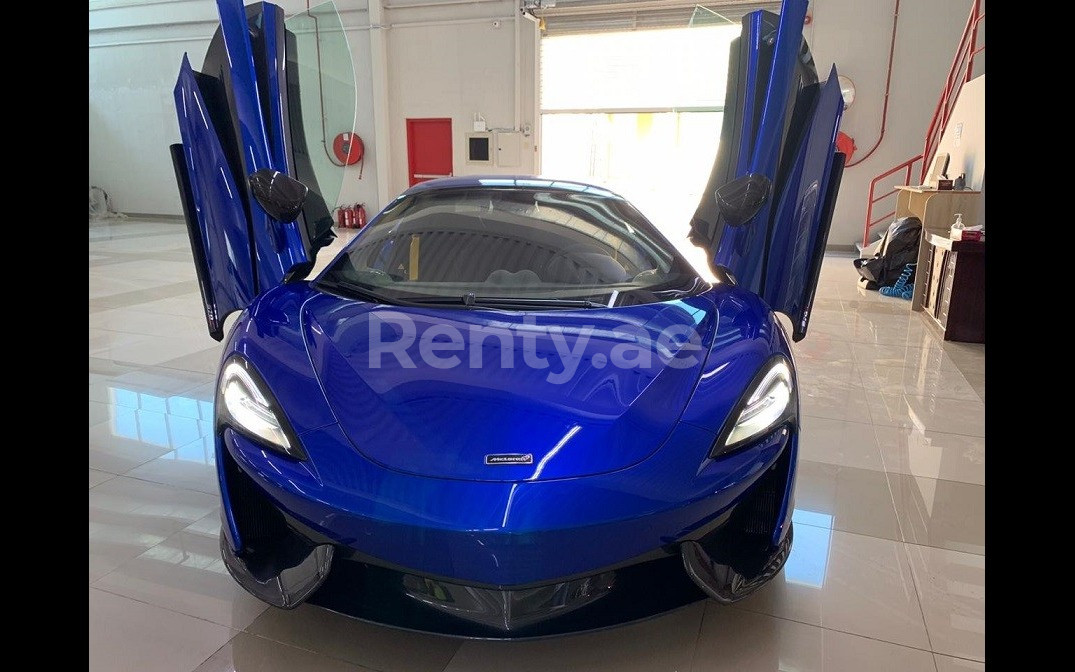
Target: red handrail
[
  {"x": 960, "y": 73},
  {"x": 907, "y": 166}
]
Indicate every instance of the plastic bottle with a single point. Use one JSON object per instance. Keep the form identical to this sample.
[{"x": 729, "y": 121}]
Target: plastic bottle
[{"x": 957, "y": 228}]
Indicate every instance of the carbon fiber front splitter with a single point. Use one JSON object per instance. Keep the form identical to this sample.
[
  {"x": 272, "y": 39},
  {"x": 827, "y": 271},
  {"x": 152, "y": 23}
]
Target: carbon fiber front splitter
[
  {"x": 284, "y": 587},
  {"x": 722, "y": 582}
]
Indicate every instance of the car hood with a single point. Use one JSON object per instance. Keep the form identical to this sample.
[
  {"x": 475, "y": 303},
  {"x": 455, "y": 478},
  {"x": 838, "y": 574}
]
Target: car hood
[{"x": 582, "y": 415}]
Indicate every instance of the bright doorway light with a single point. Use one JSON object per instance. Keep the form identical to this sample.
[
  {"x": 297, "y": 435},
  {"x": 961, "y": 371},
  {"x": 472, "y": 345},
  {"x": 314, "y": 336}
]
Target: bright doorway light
[{"x": 640, "y": 113}]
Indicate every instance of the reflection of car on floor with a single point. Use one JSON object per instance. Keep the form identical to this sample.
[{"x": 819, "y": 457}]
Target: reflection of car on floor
[{"x": 509, "y": 407}]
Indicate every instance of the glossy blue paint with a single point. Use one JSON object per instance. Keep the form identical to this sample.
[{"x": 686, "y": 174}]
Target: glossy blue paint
[
  {"x": 498, "y": 533},
  {"x": 742, "y": 249},
  {"x": 278, "y": 126},
  {"x": 513, "y": 530},
  {"x": 797, "y": 226},
  {"x": 621, "y": 465},
  {"x": 218, "y": 207},
  {"x": 442, "y": 422},
  {"x": 743, "y": 341},
  {"x": 278, "y": 246},
  {"x": 752, "y": 73}
]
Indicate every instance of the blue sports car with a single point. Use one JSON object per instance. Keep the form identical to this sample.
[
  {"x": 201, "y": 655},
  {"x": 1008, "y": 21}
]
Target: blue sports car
[{"x": 509, "y": 407}]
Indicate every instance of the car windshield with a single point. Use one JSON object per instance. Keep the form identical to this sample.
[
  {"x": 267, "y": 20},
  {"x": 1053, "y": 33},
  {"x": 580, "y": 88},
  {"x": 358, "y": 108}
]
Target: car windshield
[{"x": 513, "y": 248}]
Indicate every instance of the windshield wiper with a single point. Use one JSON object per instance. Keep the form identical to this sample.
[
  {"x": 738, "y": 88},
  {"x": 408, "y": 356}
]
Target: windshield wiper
[
  {"x": 471, "y": 299},
  {"x": 355, "y": 291}
]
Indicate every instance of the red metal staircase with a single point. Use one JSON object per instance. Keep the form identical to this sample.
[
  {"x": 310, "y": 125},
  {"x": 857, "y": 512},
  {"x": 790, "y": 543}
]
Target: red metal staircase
[{"x": 960, "y": 73}]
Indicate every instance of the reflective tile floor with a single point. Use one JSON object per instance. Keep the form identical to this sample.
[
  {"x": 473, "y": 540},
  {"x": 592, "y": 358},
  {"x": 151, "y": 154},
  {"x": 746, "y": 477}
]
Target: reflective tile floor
[{"x": 886, "y": 574}]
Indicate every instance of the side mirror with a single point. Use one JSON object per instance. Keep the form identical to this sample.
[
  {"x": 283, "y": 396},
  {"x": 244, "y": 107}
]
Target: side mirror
[
  {"x": 742, "y": 198},
  {"x": 279, "y": 195}
]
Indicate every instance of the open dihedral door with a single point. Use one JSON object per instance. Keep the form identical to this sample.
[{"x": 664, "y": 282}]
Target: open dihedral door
[
  {"x": 778, "y": 142},
  {"x": 242, "y": 114}
]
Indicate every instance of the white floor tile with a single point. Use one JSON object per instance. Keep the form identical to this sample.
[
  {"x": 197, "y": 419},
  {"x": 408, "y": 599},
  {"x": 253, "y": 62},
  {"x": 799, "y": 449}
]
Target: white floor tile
[
  {"x": 106, "y": 344},
  {"x": 821, "y": 348},
  {"x": 146, "y": 387},
  {"x": 99, "y": 477},
  {"x": 188, "y": 304},
  {"x": 916, "y": 452},
  {"x": 950, "y": 664},
  {"x": 126, "y": 635},
  {"x": 372, "y": 646},
  {"x": 820, "y": 398},
  {"x": 944, "y": 514},
  {"x": 248, "y": 653},
  {"x": 130, "y": 321},
  {"x": 192, "y": 466},
  {"x": 849, "y": 444},
  {"x": 732, "y": 639},
  {"x": 951, "y": 586},
  {"x": 132, "y": 437},
  {"x": 103, "y": 283},
  {"x": 951, "y": 416},
  {"x": 152, "y": 350},
  {"x": 848, "y": 499},
  {"x": 855, "y": 584},
  {"x": 128, "y": 517},
  {"x": 929, "y": 358},
  {"x": 926, "y": 383},
  {"x": 185, "y": 573}
]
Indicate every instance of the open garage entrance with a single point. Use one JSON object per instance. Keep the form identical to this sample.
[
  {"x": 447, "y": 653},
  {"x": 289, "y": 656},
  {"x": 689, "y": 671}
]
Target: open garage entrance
[{"x": 638, "y": 111}]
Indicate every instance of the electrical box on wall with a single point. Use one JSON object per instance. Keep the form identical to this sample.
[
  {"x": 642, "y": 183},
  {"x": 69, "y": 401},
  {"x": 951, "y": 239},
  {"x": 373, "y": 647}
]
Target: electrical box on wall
[
  {"x": 479, "y": 148},
  {"x": 509, "y": 148}
]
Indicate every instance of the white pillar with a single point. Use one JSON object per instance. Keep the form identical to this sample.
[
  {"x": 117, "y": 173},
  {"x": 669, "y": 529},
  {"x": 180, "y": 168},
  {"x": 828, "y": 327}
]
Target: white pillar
[{"x": 379, "y": 66}]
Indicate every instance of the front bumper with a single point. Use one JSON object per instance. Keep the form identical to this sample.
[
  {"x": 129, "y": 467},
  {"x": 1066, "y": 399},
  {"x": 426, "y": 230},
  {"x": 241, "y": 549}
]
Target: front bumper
[{"x": 285, "y": 557}]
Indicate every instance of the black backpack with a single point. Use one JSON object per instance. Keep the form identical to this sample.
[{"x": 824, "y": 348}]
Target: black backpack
[{"x": 899, "y": 247}]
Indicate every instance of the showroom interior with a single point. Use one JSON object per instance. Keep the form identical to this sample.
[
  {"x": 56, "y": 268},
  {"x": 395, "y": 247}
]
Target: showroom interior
[{"x": 864, "y": 307}]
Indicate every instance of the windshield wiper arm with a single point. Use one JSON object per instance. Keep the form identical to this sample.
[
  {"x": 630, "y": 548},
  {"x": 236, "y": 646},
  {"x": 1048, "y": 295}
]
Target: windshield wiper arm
[{"x": 354, "y": 291}]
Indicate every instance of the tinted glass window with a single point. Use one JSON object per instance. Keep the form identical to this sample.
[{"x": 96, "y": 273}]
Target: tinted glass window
[{"x": 538, "y": 245}]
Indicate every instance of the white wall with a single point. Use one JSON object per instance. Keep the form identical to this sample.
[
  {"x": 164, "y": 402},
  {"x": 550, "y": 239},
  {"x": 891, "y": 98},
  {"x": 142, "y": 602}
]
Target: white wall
[
  {"x": 450, "y": 61},
  {"x": 454, "y": 71},
  {"x": 964, "y": 140},
  {"x": 444, "y": 61},
  {"x": 855, "y": 34},
  {"x": 135, "y": 48},
  {"x": 964, "y": 137}
]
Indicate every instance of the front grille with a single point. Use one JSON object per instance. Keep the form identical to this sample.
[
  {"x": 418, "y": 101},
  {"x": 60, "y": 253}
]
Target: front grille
[
  {"x": 744, "y": 542},
  {"x": 757, "y": 513}
]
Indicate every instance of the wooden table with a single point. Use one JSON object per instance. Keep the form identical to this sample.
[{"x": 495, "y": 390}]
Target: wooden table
[{"x": 937, "y": 210}]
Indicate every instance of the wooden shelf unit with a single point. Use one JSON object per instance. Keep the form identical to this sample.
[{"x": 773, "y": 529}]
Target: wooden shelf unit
[{"x": 954, "y": 282}]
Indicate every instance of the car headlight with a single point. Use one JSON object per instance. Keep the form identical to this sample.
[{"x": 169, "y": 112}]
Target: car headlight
[
  {"x": 245, "y": 404},
  {"x": 768, "y": 402}
]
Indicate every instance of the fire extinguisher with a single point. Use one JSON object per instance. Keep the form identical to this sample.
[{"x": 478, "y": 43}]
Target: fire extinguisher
[
  {"x": 343, "y": 217},
  {"x": 351, "y": 216}
]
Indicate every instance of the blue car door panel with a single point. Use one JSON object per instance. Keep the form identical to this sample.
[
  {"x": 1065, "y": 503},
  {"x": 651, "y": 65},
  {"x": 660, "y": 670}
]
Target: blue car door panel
[
  {"x": 277, "y": 245},
  {"x": 798, "y": 237},
  {"x": 779, "y": 124},
  {"x": 215, "y": 212},
  {"x": 237, "y": 116}
]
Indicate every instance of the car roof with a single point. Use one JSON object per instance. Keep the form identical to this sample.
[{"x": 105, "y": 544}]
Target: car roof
[{"x": 510, "y": 181}]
